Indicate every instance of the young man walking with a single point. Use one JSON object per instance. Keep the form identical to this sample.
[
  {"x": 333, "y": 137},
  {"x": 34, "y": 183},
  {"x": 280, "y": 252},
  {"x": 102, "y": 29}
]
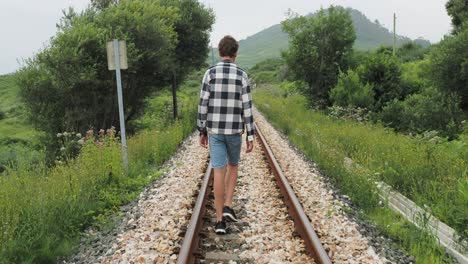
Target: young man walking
[{"x": 224, "y": 112}]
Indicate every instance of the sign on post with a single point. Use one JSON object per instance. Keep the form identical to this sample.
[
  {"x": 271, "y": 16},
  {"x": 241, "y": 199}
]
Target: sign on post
[
  {"x": 111, "y": 62},
  {"x": 117, "y": 60}
]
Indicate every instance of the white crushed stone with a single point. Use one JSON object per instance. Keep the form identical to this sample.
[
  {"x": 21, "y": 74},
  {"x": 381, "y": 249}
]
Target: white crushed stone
[
  {"x": 338, "y": 234},
  {"x": 163, "y": 211},
  {"x": 269, "y": 237}
]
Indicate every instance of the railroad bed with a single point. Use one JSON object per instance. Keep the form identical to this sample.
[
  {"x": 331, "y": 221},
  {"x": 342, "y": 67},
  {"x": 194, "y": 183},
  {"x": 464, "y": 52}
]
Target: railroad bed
[
  {"x": 265, "y": 232},
  {"x": 153, "y": 228}
]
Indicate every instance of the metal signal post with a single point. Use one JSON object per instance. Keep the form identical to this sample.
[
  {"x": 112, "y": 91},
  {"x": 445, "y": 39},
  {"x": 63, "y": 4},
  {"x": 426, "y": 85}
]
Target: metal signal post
[
  {"x": 394, "y": 33},
  {"x": 117, "y": 60},
  {"x": 212, "y": 56}
]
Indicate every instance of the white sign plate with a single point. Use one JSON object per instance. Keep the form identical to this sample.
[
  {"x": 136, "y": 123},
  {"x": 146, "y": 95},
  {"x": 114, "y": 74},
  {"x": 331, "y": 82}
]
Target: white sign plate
[{"x": 122, "y": 55}]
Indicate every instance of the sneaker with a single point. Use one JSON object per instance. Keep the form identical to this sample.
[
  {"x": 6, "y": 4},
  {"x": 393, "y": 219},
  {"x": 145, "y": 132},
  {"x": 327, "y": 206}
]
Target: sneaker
[
  {"x": 229, "y": 214},
  {"x": 220, "y": 227}
]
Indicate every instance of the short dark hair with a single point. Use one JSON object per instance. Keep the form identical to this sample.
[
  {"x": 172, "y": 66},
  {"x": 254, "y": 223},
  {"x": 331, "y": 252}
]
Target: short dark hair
[{"x": 228, "y": 46}]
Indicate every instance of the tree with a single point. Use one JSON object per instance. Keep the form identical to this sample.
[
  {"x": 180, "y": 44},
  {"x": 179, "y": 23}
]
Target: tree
[
  {"x": 458, "y": 10},
  {"x": 382, "y": 70},
  {"x": 68, "y": 87},
  {"x": 192, "y": 30},
  {"x": 449, "y": 66},
  {"x": 319, "y": 47},
  {"x": 103, "y": 4},
  {"x": 192, "y": 40}
]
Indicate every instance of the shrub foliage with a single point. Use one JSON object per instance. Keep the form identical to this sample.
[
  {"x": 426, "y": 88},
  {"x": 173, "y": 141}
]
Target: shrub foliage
[{"x": 350, "y": 91}]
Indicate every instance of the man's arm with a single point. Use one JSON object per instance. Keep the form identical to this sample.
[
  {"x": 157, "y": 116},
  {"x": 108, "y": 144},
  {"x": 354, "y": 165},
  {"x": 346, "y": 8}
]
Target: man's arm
[
  {"x": 203, "y": 109},
  {"x": 247, "y": 109}
]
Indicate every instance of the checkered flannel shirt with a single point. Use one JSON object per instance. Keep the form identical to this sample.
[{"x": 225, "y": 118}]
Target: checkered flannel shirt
[{"x": 225, "y": 101}]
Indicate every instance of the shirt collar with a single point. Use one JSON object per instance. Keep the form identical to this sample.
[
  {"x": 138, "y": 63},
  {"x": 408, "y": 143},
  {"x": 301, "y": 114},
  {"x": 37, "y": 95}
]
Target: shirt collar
[{"x": 226, "y": 61}]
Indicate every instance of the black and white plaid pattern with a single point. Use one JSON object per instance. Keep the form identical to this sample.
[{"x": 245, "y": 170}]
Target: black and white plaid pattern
[{"x": 225, "y": 101}]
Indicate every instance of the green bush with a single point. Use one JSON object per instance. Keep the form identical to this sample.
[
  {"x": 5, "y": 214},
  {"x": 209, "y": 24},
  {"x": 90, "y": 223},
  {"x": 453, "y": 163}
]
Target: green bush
[
  {"x": 351, "y": 92},
  {"x": 415, "y": 76},
  {"x": 382, "y": 70},
  {"x": 289, "y": 88},
  {"x": 16, "y": 155},
  {"x": 411, "y": 51},
  {"x": 357, "y": 58},
  {"x": 265, "y": 77},
  {"x": 429, "y": 110}
]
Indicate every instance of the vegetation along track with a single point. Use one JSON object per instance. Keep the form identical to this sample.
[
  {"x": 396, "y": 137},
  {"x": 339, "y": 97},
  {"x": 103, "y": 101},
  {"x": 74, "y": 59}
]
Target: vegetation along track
[
  {"x": 273, "y": 230},
  {"x": 152, "y": 229}
]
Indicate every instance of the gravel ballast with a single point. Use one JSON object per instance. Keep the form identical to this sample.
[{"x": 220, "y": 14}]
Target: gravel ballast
[{"x": 268, "y": 233}]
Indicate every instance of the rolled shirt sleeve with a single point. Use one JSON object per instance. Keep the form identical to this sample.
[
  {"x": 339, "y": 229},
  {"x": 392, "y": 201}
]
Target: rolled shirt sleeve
[
  {"x": 247, "y": 109},
  {"x": 203, "y": 104}
]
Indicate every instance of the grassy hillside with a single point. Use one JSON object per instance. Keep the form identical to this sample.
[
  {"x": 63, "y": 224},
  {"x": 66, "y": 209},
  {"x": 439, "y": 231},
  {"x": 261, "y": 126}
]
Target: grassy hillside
[
  {"x": 8, "y": 91},
  {"x": 13, "y": 124},
  {"x": 268, "y": 43}
]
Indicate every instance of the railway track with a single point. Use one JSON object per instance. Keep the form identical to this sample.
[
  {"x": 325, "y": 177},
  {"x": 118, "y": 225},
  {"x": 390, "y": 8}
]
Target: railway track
[{"x": 296, "y": 238}]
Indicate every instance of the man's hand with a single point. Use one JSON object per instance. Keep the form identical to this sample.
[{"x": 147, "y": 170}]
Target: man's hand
[
  {"x": 249, "y": 147},
  {"x": 204, "y": 141}
]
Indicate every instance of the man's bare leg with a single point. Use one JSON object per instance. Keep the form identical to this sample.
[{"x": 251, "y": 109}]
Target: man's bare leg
[
  {"x": 219, "y": 185},
  {"x": 230, "y": 183}
]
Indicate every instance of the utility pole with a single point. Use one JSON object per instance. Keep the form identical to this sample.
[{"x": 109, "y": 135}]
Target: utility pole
[
  {"x": 394, "y": 33},
  {"x": 174, "y": 94}
]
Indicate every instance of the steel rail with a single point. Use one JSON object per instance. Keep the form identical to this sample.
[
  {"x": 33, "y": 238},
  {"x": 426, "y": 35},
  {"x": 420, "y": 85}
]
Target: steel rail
[
  {"x": 301, "y": 221},
  {"x": 295, "y": 210},
  {"x": 190, "y": 244}
]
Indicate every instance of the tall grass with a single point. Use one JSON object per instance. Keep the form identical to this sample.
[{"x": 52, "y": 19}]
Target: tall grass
[
  {"x": 43, "y": 210},
  {"x": 431, "y": 174}
]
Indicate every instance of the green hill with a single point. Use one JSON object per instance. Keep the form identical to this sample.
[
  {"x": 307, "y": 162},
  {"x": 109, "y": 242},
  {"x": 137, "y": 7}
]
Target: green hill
[
  {"x": 13, "y": 124},
  {"x": 8, "y": 93},
  {"x": 268, "y": 43}
]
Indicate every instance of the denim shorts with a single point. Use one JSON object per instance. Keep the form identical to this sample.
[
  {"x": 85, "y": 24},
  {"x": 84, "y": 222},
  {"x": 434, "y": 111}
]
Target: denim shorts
[{"x": 224, "y": 149}]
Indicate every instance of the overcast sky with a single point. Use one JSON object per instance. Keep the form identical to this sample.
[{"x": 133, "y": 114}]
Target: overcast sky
[{"x": 27, "y": 25}]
